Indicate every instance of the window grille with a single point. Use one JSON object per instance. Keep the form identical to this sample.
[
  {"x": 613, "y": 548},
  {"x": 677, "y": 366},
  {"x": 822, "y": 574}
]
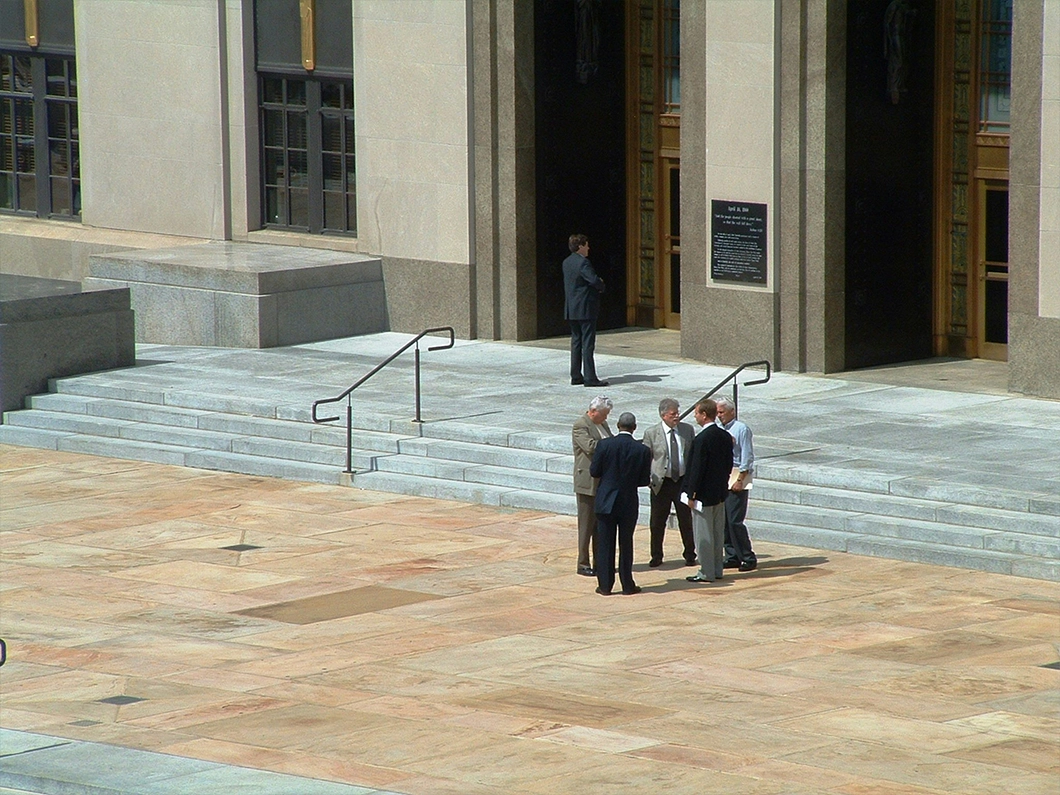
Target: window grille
[{"x": 39, "y": 149}]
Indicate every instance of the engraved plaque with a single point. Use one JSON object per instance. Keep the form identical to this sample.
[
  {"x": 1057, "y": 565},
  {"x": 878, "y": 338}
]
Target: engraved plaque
[{"x": 738, "y": 241}]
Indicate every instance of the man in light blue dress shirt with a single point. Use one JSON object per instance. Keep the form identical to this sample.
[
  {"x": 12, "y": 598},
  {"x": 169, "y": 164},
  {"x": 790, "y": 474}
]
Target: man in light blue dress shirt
[{"x": 738, "y": 551}]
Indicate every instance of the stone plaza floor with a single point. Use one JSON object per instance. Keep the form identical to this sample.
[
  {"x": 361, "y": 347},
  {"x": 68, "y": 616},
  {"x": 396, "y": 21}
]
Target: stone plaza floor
[{"x": 432, "y": 648}]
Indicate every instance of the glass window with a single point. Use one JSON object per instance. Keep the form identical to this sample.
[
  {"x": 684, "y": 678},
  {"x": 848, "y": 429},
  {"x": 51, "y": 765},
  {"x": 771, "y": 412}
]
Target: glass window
[
  {"x": 40, "y": 170},
  {"x": 995, "y": 225},
  {"x": 995, "y": 66},
  {"x": 307, "y": 150},
  {"x": 671, "y": 56}
]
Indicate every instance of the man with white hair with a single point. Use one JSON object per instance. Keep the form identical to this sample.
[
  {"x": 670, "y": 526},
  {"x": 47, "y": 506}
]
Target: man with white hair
[
  {"x": 588, "y": 429},
  {"x": 738, "y": 552}
]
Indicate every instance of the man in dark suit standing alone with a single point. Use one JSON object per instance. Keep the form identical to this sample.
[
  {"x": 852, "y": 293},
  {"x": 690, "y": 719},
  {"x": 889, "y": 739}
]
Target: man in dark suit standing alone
[
  {"x": 707, "y": 486},
  {"x": 581, "y": 307},
  {"x": 622, "y": 464}
]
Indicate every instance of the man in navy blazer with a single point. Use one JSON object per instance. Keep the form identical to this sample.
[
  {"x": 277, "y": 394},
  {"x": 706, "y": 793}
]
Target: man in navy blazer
[
  {"x": 622, "y": 464},
  {"x": 581, "y": 307}
]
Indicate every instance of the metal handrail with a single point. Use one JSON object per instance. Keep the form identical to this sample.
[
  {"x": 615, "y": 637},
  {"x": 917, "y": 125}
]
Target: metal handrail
[
  {"x": 735, "y": 385},
  {"x": 346, "y": 395}
]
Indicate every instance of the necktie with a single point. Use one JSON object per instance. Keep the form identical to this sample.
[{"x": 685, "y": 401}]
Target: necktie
[{"x": 675, "y": 456}]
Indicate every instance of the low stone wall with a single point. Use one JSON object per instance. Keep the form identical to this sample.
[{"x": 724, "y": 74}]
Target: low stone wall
[
  {"x": 49, "y": 328},
  {"x": 246, "y": 295}
]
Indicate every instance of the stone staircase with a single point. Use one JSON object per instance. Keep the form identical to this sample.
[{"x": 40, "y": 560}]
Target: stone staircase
[{"x": 805, "y": 497}]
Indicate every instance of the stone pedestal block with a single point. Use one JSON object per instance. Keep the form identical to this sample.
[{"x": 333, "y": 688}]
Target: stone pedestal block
[
  {"x": 246, "y": 295},
  {"x": 50, "y": 328}
]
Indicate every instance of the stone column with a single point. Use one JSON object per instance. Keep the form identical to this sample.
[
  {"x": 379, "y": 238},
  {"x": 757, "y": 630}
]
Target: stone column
[
  {"x": 764, "y": 109},
  {"x": 812, "y": 176},
  {"x": 1034, "y": 195},
  {"x": 501, "y": 65}
]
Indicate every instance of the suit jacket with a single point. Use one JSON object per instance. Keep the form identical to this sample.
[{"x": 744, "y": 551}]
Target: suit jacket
[
  {"x": 581, "y": 289},
  {"x": 657, "y": 438},
  {"x": 584, "y": 437},
  {"x": 707, "y": 478},
  {"x": 622, "y": 464}
]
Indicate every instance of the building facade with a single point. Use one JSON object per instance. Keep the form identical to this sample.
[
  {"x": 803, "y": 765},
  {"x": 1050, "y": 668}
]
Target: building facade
[{"x": 828, "y": 184}]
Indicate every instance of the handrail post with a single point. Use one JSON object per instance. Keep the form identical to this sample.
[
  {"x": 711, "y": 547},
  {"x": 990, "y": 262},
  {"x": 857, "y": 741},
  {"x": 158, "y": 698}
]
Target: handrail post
[
  {"x": 417, "y": 418},
  {"x": 349, "y": 436},
  {"x": 735, "y": 398},
  {"x": 348, "y": 394}
]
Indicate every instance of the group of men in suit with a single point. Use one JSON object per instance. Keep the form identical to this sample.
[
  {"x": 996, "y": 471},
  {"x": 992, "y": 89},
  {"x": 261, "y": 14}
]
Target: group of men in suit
[{"x": 702, "y": 477}]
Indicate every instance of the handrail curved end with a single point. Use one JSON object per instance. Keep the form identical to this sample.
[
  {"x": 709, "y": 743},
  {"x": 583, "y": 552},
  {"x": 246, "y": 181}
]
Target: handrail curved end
[
  {"x": 769, "y": 372},
  {"x": 322, "y": 419},
  {"x": 445, "y": 346}
]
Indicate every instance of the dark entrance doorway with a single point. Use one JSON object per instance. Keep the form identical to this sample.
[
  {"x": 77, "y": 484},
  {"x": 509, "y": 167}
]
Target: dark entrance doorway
[
  {"x": 889, "y": 171},
  {"x": 579, "y": 102}
]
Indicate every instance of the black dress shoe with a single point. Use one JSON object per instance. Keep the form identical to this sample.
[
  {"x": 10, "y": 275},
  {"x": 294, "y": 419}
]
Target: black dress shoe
[
  {"x": 749, "y": 565},
  {"x": 692, "y": 562},
  {"x": 602, "y": 592},
  {"x": 576, "y": 382},
  {"x": 655, "y": 562},
  {"x": 597, "y": 383},
  {"x": 633, "y": 590},
  {"x": 731, "y": 563},
  {"x": 587, "y": 571}
]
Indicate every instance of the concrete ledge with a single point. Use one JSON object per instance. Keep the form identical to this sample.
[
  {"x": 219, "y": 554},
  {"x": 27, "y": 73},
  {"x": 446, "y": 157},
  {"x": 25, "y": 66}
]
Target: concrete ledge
[
  {"x": 245, "y": 295},
  {"x": 50, "y": 328}
]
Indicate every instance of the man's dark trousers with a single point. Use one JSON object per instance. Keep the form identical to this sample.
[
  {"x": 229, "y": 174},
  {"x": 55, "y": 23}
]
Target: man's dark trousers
[
  {"x": 608, "y": 526},
  {"x": 582, "y": 349},
  {"x": 737, "y": 540},
  {"x": 669, "y": 494},
  {"x": 622, "y": 464}
]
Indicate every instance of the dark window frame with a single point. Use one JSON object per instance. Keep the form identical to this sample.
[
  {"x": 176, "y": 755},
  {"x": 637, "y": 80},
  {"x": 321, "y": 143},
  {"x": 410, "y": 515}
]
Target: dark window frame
[
  {"x": 34, "y": 178},
  {"x": 297, "y": 170}
]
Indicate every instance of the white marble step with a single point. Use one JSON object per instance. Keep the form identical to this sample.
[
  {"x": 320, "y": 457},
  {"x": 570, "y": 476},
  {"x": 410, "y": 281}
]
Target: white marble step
[
  {"x": 854, "y": 510},
  {"x": 909, "y": 550}
]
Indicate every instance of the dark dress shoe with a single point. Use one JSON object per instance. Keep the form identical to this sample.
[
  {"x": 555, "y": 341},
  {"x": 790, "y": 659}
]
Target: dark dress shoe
[
  {"x": 576, "y": 382},
  {"x": 749, "y": 565},
  {"x": 597, "y": 383},
  {"x": 655, "y": 562},
  {"x": 602, "y": 592},
  {"x": 698, "y": 578},
  {"x": 587, "y": 571},
  {"x": 633, "y": 590},
  {"x": 731, "y": 563},
  {"x": 692, "y": 562}
]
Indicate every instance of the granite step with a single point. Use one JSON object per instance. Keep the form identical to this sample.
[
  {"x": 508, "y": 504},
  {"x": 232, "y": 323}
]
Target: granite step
[
  {"x": 908, "y": 550},
  {"x": 436, "y": 453},
  {"x": 374, "y": 430},
  {"x": 470, "y": 491},
  {"x": 1024, "y": 534},
  {"x": 863, "y": 508},
  {"x": 159, "y": 453}
]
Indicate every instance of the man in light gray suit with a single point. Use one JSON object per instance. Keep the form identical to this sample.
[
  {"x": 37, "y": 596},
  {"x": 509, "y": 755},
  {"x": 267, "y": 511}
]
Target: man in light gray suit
[
  {"x": 588, "y": 429},
  {"x": 670, "y": 442}
]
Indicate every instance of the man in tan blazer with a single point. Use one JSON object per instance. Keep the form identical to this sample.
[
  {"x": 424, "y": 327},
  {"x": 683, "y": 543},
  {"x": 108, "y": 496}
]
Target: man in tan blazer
[
  {"x": 588, "y": 429},
  {"x": 670, "y": 442}
]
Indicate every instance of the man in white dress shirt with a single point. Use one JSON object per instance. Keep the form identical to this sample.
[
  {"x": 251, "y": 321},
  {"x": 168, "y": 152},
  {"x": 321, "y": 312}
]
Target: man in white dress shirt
[{"x": 670, "y": 442}]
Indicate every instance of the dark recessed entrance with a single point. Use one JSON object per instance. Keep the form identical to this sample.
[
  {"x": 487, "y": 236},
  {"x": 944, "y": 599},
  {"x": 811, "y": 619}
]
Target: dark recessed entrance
[
  {"x": 889, "y": 181},
  {"x": 579, "y": 102}
]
